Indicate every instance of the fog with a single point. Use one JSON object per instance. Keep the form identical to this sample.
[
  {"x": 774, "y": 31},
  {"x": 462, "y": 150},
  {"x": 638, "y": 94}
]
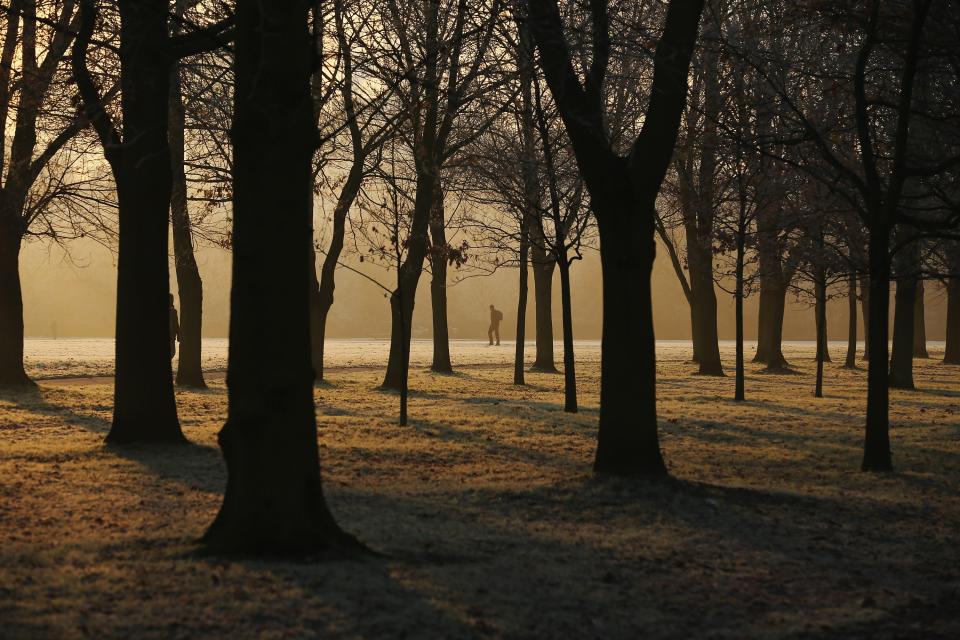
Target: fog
[{"x": 72, "y": 294}]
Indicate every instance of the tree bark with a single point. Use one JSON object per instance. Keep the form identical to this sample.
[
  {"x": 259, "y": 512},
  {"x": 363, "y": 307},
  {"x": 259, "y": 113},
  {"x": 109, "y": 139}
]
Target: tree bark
[
  {"x": 851, "y": 360},
  {"x": 569, "y": 361},
  {"x": 739, "y": 392},
  {"x": 876, "y": 446},
  {"x": 919, "y": 325},
  {"x": 951, "y": 354},
  {"x": 823, "y": 352},
  {"x": 144, "y": 405},
  {"x": 274, "y": 500},
  {"x": 189, "y": 283},
  {"x": 12, "y": 373},
  {"x": 438, "y": 285},
  {"x": 865, "y": 308},
  {"x": 542, "y": 265},
  {"x": 901, "y": 357},
  {"x": 518, "y": 377}
]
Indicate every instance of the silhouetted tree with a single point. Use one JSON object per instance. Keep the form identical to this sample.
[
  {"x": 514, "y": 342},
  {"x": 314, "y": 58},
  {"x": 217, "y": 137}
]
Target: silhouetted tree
[
  {"x": 623, "y": 192},
  {"x": 274, "y": 500}
]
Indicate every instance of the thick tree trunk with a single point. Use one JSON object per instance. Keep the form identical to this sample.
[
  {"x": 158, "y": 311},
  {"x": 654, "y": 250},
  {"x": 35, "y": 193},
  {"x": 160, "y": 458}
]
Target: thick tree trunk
[
  {"x": 704, "y": 311},
  {"x": 901, "y": 357},
  {"x": 543, "y": 265},
  {"x": 12, "y": 373},
  {"x": 951, "y": 354},
  {"x": 318, "y": 308},
  {"x": 518, "y": 377},
  {"x": 189, "y": 284},
  {"x": 876, "y": 446},
  {"x": 274, "y": 500},
  {"x": 569, "y": 361},
  {"x": 438, "y": 285},
  {"x": 851, "y": 360},
  {"x": 627, "y": 442},
  {"x": 144, "y": 406},
  {"x": 919, "y": 325}
]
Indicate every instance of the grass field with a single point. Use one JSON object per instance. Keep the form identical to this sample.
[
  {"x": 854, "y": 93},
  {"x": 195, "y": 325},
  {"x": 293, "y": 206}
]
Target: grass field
[{"x": 488, "y": 521}]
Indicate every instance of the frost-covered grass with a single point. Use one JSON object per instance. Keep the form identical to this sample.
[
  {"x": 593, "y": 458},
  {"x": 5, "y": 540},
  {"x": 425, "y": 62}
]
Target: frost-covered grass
[{"x": 488, "y": 519}]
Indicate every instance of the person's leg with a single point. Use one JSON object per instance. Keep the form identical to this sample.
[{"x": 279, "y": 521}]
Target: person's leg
[
  {"x": 490, "y": 334},
  {"x": 497, "y": 330}
]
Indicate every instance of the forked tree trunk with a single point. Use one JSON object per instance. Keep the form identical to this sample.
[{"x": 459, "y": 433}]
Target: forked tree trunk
[
  {"x": 274, "y": 500},
  {"x": 12, "y": 373},
  {"x": 876, "y": 446},
  {"x": 543, "y": 265},
  {"x": 438, "y": 286},
  {"x": 919, "y": 325},
  {"x": 851, "y": 360},
  {"x": 189, "y": 284},
  {"x": 569, "y": 361},
  {"x": 951, "y": 354},
  {"x": 144, "y": 406}
]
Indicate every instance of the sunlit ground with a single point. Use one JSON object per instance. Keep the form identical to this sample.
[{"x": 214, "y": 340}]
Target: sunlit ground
[{"x": 488, "y": 519}]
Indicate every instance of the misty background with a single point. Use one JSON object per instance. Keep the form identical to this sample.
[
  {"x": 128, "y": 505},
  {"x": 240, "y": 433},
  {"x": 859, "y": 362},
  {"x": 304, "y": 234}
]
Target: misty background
[{"x": 71, "y": 293}]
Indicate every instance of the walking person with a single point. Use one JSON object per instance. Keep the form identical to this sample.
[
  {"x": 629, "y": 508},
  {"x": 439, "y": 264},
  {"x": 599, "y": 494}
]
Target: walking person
[
  {"x": 174, "y": 328},
  {"x": 496, "y": 317}
]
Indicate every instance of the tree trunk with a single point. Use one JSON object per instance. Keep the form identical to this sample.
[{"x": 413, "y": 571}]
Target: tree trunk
[
  {"x": 876, "y": 446},
  {"x": 851, "y": 360},
  {"x": 821, "y": 323},
  {"x": 951, "y": 354},
  {"x": 12, "y": 373},
  {"x": 919, "y": 325},
  {"x": 521, "y": 308},
  {"x": 569, "y": 362},
  {"x": 189, "y": 284},
  {"x": 901, "y": 357},
  {"x": 627, "y": 442},
  {"x": 865, "y": 308},
  {"x": 704, "y": 309},
  {"x": 274, "y": 500},
  {"x": 823, "y": 352},
  {"x": 438, "y": 285},
  {"x": 144, "y": 406},
  {"x": 739, "y": 392},
  {"x": 543, "y": 265}
]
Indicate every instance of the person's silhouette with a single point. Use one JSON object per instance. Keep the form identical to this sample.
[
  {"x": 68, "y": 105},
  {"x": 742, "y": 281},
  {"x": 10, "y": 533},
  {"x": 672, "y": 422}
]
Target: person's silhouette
[
  {"x": 174, "y": 328},
  {"x": 496, "y": 317}
]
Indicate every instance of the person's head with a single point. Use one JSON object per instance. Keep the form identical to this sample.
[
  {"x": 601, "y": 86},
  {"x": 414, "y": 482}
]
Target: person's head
[{"x": 491, "y": 307}]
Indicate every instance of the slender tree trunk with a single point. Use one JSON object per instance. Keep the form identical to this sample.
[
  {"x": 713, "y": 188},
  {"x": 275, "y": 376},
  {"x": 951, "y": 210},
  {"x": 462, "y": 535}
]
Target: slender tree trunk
[
  {"x": 851, "y": 360},
  {"x": 543, "y": 265},
  {"x": 865, "y": 308},
  {"x": 821, "y": 323},
  {"x": 951, "y": 353},
  {"x": 322, "y": 301},
  {"x": 189, "y": 284},
  {"x": 438, "y": 285},
  {"x": 12, "y": 373},
  {"x": 876, "y": 446},
  {"x": 919, "y": 325},
  {"x": 144, "y": 406},
  {"x": 569, "y": 361},
  {"x": 518, "y": 377},
  {"x": 274, "y": 500},
  {"x": 739, "y": 392}
]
